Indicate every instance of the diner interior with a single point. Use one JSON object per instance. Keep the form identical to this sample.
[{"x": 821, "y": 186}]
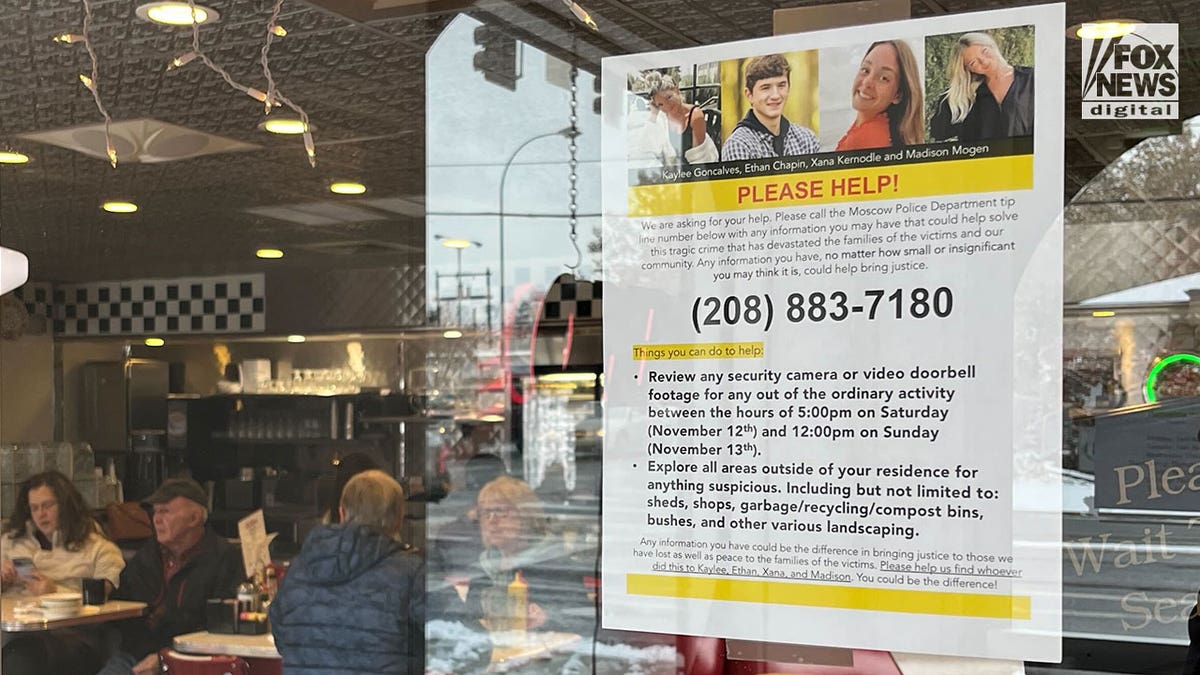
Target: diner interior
[{"x": 418, "y": 279}]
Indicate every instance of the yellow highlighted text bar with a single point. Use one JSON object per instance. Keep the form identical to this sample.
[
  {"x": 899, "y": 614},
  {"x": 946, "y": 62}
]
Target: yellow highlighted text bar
[
  {"x": 698, "y": 350},
  {"x": 932, "y": 179},
  {"x": 978, "y": 605}
]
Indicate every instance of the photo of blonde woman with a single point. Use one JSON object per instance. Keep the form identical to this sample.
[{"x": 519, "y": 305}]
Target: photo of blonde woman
[{"x": 986, "y": 97}]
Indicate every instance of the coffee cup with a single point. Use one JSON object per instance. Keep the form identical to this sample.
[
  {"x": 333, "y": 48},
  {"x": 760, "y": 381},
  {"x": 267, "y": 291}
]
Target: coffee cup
[{"x": 95, "y": 591}]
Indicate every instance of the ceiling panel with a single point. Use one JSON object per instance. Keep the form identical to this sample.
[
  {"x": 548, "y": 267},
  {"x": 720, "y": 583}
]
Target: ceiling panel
[{"x": 360, "y": 75}]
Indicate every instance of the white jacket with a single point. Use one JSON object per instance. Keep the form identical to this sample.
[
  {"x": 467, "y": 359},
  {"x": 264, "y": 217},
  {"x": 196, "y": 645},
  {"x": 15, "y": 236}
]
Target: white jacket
[{"x": 96, "y": 558}]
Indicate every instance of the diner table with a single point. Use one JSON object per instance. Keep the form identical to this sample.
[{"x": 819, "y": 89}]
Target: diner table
[
  {"x": 21, "y": 614},
  {"x": 512, "y": 649},
  {"x": 258, "y": 650},
  {"x": 245, "y": 646}
]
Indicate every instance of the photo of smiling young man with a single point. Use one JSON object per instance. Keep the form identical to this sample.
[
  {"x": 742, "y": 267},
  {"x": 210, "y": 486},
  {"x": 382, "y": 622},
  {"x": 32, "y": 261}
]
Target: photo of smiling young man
[{"x": 764, "y": 132}]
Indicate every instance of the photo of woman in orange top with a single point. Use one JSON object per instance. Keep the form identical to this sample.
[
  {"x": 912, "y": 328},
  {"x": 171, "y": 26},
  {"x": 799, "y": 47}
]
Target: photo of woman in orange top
[{"x": 888, "y": 99}]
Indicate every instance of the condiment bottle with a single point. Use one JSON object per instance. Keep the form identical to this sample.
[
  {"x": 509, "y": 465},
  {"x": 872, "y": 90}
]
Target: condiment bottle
[
  {"x": 247, "y": 596},
  {"x": 518, "y": 602},
  {"x": 272, "y": 583}
]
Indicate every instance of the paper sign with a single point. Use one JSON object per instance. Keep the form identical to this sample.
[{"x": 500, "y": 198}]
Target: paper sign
[
  {"x": 833, "y": 337},
  {"x": 256, "y": 543}
]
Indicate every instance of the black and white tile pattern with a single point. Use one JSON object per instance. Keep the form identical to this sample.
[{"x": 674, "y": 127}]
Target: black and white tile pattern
[
  {"x": 232, "y": 304},
  {"x": 568, "y": 295}
]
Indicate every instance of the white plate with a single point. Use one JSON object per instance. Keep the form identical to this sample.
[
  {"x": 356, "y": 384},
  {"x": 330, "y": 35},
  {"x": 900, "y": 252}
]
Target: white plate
[
  {"x": 60, "y": 612},
  {"x": 60, "y": 599}
]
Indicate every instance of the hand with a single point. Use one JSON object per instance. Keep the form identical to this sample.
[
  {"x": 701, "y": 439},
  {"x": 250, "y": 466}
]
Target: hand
[
  {"x": 39, "y": 584},
  {"x": 8, "y": 573},
  {"x": 147, "y": 666},
  {"x": 535, "y": 618}
]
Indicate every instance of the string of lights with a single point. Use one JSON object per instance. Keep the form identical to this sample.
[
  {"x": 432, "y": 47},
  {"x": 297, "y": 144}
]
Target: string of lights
[
  {"x": 92, "y": 82},
  {"x": 273, "y": 94},
  {"x": 271, "y": 98},
  {"x": 272, "y": 25}
]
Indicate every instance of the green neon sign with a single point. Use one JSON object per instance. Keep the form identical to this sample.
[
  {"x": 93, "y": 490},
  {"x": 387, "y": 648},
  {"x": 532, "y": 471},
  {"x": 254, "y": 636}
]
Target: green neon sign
[{"x": 1152, "y": 378}]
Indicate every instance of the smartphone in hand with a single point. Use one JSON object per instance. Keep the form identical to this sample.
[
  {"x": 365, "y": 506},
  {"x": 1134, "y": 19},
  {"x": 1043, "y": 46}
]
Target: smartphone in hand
[{"x": 24, "y": 567}]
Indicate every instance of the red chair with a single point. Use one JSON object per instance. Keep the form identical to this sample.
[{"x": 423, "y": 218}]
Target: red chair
[
  {"x": 189, "y": 664},
  {"x": 701, "y": 655},
  {"x": 265, "y": 666}
]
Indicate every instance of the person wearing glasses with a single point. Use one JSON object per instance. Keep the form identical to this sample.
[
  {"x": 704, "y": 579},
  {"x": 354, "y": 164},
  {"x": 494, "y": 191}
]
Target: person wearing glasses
[
  {"x": 987, "y": 97},
  {"x": 519, "y": 550},
  {"x": 58, "y": 543}
]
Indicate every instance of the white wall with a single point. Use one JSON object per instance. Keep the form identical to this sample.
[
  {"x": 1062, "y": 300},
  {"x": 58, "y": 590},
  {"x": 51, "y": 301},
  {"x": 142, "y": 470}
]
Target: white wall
[{"x": 27, "y": 389}]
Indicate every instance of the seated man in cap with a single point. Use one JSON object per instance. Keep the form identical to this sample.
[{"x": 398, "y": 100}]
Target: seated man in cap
[
  {"x": 353, "y": 601},
  {"x": 174, "y": 575}
]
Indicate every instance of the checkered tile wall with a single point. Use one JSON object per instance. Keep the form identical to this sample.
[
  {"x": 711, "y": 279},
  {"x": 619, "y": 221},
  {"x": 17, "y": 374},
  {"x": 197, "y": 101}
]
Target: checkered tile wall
[
  {"x": 233, "y": 304},
  {"x": 568, "y": 295}
]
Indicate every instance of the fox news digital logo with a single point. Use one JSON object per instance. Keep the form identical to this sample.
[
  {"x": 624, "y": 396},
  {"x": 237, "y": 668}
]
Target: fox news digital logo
[{"x": 1132, "y": 76}]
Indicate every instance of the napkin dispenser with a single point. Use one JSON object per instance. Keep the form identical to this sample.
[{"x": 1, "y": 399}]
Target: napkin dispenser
[{"x": 221, "y": 616}]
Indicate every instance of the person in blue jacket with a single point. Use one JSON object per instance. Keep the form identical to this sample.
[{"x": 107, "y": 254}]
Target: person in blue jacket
[{"x": 353, "y": 600}]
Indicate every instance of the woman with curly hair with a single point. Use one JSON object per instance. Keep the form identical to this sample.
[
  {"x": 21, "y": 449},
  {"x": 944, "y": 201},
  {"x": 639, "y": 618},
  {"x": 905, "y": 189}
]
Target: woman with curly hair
[{"x": 52, "y": 527}]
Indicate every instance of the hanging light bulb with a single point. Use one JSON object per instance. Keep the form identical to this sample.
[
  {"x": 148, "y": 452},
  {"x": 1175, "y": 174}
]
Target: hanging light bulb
[
  {"x": 279, "y": 31},
  {"x": 310, "y": 149},
  {"x": 181, "y": 60},
  {"x": 261, "y": 97},
  {"x": 87, "y": 81},
  {"x": 68, "y": 38},
  {"x": 581, "y": 14}
]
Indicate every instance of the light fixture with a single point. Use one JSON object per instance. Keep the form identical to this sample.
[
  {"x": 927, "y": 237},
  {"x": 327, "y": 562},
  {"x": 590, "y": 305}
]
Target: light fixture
[
  {"x": 13, "y": 157},
  {"x": 119, "y": 207},
  {"x": 582, "y": 14},
  {"x": 181, "y": 60},
  {"x": 1103, "y": 314},
  {"x": 14, "y": 269},
  {"x": 492, "y": 418},
  {"x": 455, "y": 242},
  {"x": 155, "y": 342},
  {"x": 296, "y": 339},
  {"x": 68, "y": 38},
  {"x": 1103, "y": 29},
  {"x": 288, "y": 126},
  {"x": 347, "y": 188},
  {"x": 176, "y": 13},
  {"x": 452, "y": 334},
  {"x": 269, "y": 253},
  {"x": 585, "y": 378},
  {"x": 279, "y": 31}
]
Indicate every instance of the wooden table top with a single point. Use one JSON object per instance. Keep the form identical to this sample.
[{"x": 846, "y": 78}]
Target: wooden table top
[
  {"x": 21, "y": 614},
  {"x": 245, "y": 646}
]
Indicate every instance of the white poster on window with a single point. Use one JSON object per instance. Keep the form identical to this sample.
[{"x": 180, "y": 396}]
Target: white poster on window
[{"x": 833, "y": 282}]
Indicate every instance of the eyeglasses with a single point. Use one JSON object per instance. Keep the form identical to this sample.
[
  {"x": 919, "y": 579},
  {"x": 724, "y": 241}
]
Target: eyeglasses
[{"x": 491, "y": 512}]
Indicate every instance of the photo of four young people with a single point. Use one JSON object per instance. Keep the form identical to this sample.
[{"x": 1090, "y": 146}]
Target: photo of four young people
[{"x": 964, "y": 87}]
